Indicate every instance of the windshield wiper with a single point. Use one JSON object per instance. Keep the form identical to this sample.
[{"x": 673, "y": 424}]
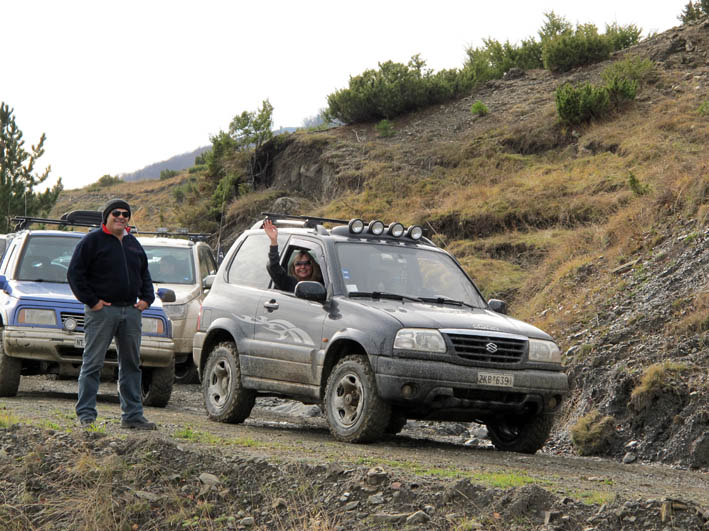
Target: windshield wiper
[
  {"x": 446, "y": 300},
  {"x": 384, "y": 295}
]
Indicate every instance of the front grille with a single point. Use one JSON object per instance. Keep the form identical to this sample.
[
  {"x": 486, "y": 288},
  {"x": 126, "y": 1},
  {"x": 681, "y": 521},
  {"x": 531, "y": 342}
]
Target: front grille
[
  {"x": 78, "y": 317},
  {"x": 490, "y": 349}
]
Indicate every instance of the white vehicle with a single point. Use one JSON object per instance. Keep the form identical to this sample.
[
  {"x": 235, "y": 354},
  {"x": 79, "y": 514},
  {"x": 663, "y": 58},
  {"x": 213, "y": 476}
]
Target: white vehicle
[{"x": 181, "y": 265}]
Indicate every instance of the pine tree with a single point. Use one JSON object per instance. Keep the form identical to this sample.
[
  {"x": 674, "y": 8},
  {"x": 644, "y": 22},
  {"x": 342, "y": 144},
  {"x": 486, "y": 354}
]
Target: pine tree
[
  {"x": 17, "y": 174},
  {"x": 691, "y": 12}
]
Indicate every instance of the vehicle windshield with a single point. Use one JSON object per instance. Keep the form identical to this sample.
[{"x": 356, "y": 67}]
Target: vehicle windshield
[
  {"x": 170, "y": 265},
  {"x": 409, "y": 272},
  {"x": 46, "y": 258}
]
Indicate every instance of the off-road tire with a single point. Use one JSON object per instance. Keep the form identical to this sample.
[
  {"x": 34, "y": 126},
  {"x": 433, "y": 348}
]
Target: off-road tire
[
  {"x": 355, "y": 412},
  {"x": 224, "y": 397},
  {"x": 9, "y": 372},
  {"x": 157, "y": 385},
  {"x": 186, "y": 373},
  {"x": 523, "y": 434}
]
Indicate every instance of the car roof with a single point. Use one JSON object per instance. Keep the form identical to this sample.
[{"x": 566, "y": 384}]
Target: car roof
[{"x": 165, "y": 242}]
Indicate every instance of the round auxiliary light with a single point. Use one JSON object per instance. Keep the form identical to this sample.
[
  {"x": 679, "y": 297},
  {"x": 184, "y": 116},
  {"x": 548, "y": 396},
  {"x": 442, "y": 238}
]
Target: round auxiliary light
[
  {"x": 376, "y": 227},
  {"x": 70, "y": 324},
  {"x": 356, "y": 226},
  {"x": 414, "y": 232},
  {"x": 396, "y": 230}
]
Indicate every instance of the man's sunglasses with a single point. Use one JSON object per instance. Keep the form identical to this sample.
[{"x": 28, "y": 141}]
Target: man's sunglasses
[
  {"x": 119, "y": 213},
  {"x": 304, "y": 263}
]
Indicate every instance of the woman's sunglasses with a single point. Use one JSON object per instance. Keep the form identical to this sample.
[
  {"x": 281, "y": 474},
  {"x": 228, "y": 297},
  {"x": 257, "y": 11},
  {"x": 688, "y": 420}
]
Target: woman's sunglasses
[
  {"x": 119, "y": 213},
  {"x": 303, "y": 263}
]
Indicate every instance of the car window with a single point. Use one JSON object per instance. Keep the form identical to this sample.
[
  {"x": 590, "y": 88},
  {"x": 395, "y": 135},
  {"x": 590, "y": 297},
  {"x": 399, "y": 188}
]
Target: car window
[
  {"x": 248, "y": 268},
  {"x": 316, "y": 257},
  {"x": 7, "y": 258},
  {"x": 46, "y": 258},
  {"x": 207, "y": 265},
  {"x": 170, "y": 265},
  {"x": 411, "y": 271}
]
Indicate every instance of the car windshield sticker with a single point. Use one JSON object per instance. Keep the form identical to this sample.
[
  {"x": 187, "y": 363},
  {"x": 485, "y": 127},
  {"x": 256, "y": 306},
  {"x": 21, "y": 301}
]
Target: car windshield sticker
[
  {"x": 346, "y": 274},
  {"x": 351, "y": 288}
]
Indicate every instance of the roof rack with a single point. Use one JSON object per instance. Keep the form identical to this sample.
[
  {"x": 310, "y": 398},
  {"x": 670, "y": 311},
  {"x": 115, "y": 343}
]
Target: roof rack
[
  {"x": 76, "y": 218},
  {"x": 94, "y": 218},
  {"x": 192, "y": 236},
  {"x": 310, "y": 222}
]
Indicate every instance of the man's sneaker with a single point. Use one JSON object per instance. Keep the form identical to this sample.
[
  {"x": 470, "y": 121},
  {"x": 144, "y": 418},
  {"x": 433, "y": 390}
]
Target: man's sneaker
[
  {"x": 140, "y": 423},
  {"x": 86, "y": 423}
]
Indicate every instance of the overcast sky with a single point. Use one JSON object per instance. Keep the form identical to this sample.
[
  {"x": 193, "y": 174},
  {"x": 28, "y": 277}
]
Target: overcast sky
[{"x": 120, "y": 85}]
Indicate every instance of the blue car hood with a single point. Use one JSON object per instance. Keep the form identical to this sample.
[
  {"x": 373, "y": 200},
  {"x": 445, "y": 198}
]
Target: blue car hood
[{"x": 43, "y": 291}]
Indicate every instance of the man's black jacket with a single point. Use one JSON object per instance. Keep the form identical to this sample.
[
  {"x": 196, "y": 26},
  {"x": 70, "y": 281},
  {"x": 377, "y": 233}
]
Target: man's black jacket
[{"x": 116, "y": 271}]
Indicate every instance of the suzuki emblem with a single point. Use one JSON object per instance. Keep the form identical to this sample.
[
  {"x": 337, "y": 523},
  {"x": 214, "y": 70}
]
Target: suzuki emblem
[{"x": 491, "y": 348}]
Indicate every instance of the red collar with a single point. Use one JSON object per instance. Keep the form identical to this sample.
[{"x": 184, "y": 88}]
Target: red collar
[{"x": 105, "y": 229}]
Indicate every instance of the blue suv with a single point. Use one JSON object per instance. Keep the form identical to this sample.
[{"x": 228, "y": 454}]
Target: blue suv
[{"x": 42, "y": 323}]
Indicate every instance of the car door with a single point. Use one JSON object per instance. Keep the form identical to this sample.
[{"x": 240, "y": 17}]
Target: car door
[
  {"x": 288, "y": 341},
  {"x": 236, "y": 299}
]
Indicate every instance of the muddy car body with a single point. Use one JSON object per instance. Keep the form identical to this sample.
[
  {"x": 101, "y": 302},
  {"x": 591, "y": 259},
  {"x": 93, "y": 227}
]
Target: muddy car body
[{"x": 396, "y": 331}]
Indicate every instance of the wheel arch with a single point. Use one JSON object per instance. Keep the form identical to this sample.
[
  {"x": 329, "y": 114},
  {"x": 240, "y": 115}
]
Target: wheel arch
[
  {"x": 214, "y": 337},
  {"x": 339, "y": 349}
]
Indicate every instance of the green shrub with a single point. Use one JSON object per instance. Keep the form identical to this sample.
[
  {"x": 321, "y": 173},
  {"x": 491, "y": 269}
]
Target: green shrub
[
  {"x": 593, "y": 434},
  {"x": 704, "y": 108},
  {"x": 166, "y": 174},
  {"x": 479, "y": 108},
  {"x": 385, "y": 128},
  {"x": 580, "y": 104},
  {"x": 395, "y": 89},
  {"x": 636, "y": 186},
  {"x": 621, "y": 90},
  {"x": 569, "y": 50},
  {"x": 621, "y": 37},
  {"x": 632, "y": 68}
]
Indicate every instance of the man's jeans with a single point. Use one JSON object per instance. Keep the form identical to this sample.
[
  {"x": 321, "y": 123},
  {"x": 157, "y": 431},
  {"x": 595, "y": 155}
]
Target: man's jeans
[{"x": 100, "y": 327}]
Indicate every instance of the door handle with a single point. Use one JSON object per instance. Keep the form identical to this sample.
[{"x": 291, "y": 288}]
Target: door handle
[{"x": 271, "y": 305}]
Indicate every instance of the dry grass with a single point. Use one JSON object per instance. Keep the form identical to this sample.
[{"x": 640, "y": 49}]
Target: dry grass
[{"x": 593, "y": 433}]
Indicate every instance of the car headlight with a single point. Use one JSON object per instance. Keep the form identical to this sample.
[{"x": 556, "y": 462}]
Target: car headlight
[
  {"x": 423, "y": 339},
  {"x": 544, "y": 351},
  {"x": 153, "y": 326},
  {"x": 175, "y": 311},
  {"x": 37, "y": 317}
]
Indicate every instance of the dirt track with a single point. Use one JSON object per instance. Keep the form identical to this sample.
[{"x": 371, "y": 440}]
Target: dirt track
[{"x": 280, "y": 431}]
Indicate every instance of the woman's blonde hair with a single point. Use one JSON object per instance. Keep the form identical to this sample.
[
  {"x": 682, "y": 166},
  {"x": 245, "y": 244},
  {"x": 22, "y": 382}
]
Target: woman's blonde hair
[{"x": 315, "y": 273}]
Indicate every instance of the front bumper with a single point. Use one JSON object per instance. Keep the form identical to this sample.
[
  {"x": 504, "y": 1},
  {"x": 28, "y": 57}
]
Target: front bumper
[
  {"x": 444, "y": 390},
  {"x": 61, "y": 346}
]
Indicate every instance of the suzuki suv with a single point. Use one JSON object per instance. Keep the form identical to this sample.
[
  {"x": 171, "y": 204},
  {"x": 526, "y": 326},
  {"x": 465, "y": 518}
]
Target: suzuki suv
[
  {"x": 395, "y": 331},
  {"x": 42, "y": 323}
]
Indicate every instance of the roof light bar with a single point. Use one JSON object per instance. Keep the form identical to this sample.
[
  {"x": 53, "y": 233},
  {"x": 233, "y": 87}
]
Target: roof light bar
[
  {"x": 396, "y": 230},
  {"x": 356, "y": 226},
  {"x": 376, "y": 227},
  {"x": 414, "y": 232}
]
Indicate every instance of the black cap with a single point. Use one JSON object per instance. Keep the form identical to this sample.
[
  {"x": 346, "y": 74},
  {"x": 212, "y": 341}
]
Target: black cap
[{"x": 113, "y": 204}]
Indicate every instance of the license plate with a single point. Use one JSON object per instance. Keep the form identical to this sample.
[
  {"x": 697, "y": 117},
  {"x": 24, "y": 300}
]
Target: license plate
[
  {"x": 497, "y": 379},
  {"x": 79, "y": 342}
]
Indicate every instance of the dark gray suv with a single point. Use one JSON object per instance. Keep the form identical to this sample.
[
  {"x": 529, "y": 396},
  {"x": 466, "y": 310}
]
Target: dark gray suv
[{"x": 395, "y": 331}]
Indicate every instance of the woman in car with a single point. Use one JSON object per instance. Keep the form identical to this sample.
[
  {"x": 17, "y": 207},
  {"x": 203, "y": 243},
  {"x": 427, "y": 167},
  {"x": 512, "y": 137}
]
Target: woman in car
[{"x": 303, "y": 267}]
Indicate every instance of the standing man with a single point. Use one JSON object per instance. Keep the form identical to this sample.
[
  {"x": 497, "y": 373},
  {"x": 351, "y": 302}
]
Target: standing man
[{"x": 109, "y": 274}]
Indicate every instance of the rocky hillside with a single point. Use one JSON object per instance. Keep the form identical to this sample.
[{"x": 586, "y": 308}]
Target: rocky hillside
[{"x": 597, "y": 234}]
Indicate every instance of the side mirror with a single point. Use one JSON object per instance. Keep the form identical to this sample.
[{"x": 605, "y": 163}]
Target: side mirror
[
  {"x": 310, "y": 291},
  {"x": 208, "y": 281},
  {"x": 496, "y": 305},
  {"x": 166, "y": 295},
  {"x": 4, "y": 284}
]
